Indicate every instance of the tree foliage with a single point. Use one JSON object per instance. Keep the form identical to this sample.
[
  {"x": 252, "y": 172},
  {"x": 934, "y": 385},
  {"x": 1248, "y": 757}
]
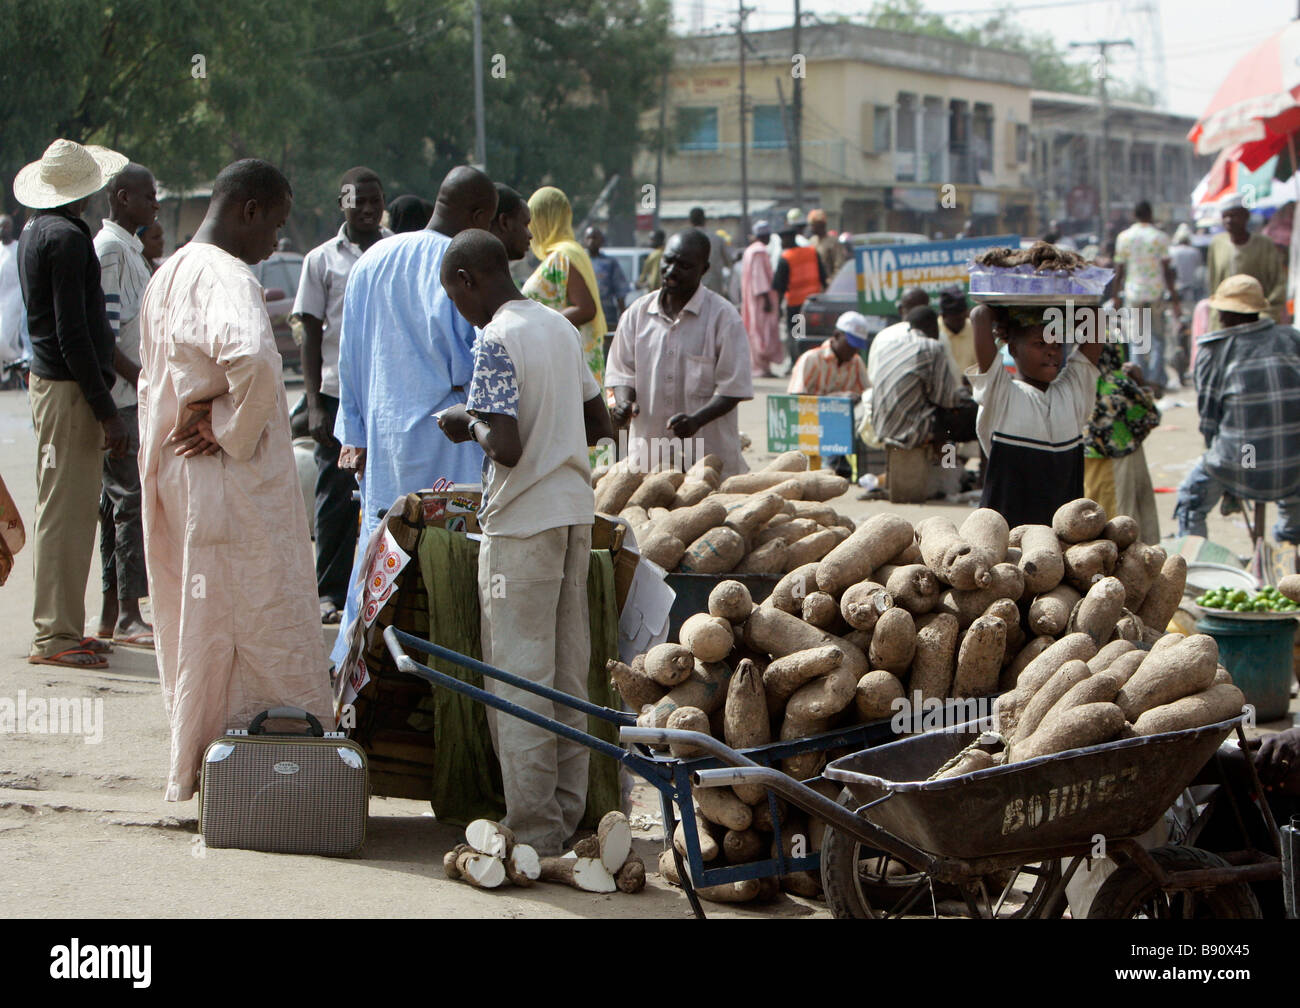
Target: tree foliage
[
  {"x": 1050, "y": 67},
  {"x": 318, "y": 86}
]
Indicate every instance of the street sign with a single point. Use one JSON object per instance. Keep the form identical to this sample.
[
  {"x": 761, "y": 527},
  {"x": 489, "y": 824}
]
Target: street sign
[
  {"x": 814, "y": 425},
  {"x": 884, "y": 271}
]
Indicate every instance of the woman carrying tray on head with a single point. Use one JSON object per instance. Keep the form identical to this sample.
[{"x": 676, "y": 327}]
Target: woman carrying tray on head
[{"x": 1031, "y": 426}]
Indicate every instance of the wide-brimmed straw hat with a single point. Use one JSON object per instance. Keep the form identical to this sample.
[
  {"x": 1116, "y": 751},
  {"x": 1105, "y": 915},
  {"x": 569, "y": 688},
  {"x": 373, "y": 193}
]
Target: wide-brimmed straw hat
[
  {"x": 1242, "y": 294},
  {"x": 66, "y": 173}
]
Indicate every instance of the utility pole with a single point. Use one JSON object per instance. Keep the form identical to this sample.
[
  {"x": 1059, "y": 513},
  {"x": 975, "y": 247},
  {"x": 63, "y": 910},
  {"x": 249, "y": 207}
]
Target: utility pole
[
  {"x": 480, "y": 129},
  {"x": 796, "y": 113},
  {"x": 1101, "y": 71},
  {"x": 659, "y": 155},
  {"x": 741, "y": 12}
]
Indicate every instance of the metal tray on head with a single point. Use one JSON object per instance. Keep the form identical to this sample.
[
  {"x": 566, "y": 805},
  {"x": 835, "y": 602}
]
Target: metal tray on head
[
  {"x": 1116, "y": 789},
  {"x": 1037, "y": 300}
]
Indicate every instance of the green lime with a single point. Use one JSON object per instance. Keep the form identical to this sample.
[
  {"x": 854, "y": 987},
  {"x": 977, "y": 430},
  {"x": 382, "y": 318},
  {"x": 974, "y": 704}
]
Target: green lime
[{"x": 1239, "y": 596}]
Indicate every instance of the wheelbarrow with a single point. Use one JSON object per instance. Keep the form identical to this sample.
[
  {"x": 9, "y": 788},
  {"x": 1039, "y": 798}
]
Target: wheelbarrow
[
  {"x": 671, "y": 777},
  {"x": 983, "y": 833}
]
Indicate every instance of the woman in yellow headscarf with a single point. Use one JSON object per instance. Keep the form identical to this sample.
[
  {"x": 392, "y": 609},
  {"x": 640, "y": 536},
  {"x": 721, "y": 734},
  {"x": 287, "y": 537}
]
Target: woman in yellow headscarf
[{"x": 564, "y": 279}]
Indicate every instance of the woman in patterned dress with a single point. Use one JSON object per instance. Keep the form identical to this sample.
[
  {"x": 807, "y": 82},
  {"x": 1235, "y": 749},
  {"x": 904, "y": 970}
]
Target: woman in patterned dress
[{"x": 564, "y": 279}]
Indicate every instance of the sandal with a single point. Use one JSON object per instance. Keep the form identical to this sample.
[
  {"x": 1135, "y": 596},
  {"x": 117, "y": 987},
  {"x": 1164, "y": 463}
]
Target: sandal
[
  {"x": 96, "y": 646},
  {"x": 143, "y": 639},
  {"x": 95, "y": 661},
  {"x": 330, "y": 614}
]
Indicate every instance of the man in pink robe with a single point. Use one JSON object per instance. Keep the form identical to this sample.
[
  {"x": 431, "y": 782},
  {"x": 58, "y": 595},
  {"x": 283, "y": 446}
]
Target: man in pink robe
[
  {"x": 231, "y": 572},
  {"x": 758, "y": 304}
]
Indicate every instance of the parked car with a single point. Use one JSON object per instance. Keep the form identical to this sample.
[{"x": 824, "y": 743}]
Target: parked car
[
  {"x": 821, "y": 310},
  {"x": 279, "y": 277}
]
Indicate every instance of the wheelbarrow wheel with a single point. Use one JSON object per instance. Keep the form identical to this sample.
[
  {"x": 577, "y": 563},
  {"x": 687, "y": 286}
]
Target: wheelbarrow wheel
[
  {"x": 859, "y": 882},
  {"x": 1131, "y": 893}
]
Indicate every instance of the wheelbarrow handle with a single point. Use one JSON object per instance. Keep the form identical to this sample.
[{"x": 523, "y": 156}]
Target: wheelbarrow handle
[
  {"x": 832, "y": 812},
  {"x": 699, "y": 740},
  {"x": 394, "y": 639}
]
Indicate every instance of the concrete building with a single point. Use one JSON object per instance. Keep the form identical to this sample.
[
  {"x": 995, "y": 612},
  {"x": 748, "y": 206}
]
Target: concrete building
[
  {"x": 900, "y": 132},
  {"x": 1150, "y": 159}
]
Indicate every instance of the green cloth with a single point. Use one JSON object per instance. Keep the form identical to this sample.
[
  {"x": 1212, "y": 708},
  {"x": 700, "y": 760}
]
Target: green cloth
[{"x": 467, "y": 776}]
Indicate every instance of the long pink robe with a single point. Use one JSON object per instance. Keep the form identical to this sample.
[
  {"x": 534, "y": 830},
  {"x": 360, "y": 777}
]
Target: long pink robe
[
  {"x": 763, "y": 327},
  {"x": 231, "y": 575}
]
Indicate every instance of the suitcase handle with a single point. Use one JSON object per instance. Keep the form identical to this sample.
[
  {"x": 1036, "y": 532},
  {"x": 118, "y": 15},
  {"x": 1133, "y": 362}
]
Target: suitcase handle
[{"x": 288, "y": 713}]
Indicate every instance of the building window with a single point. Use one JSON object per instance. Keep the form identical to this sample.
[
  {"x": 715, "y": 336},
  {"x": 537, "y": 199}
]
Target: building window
[
  {"x": 881, "y": 128},
  {"x": 698, "y": 128},
  {"x": 1022, "y": 143},
  {"x": 769, "y": 127},
  {"x": 906, "y": 121},
  {"x": 982, "y": 137}
]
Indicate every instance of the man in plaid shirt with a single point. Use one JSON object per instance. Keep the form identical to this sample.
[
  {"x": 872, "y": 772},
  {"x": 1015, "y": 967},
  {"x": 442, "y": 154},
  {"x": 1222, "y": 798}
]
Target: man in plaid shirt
[{"x": 1248, "y": 397}]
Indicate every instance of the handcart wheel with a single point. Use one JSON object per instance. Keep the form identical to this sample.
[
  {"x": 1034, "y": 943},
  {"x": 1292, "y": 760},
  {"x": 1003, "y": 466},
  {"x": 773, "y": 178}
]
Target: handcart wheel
[
  {"x": 1131, "y": 893},
  {"x": 860, "y": 882}
]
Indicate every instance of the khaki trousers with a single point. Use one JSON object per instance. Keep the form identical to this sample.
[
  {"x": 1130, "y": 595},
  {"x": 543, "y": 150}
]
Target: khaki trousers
[
  {"x": 69, "y": 461},
  {"x": 535, "y": 624}
]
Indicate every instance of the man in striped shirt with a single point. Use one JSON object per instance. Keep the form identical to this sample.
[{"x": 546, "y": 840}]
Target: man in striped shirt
[
  {"x": 1248, "y": 398},
  {"x": 124, "y": 274},
  {"x": 911, "y": 383}
]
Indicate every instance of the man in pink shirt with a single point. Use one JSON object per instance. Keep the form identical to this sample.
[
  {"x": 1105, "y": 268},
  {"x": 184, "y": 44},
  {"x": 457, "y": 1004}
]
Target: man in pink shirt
[{"x": 759, "y": 302}]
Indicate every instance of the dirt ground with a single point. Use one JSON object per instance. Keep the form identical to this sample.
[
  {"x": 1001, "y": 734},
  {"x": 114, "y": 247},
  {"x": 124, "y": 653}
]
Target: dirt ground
[{"x": 84, "y": 831}]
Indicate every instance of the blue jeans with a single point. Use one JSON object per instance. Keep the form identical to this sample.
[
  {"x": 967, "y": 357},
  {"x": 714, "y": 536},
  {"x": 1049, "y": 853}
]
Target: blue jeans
[{"x": 1201, "y": 491}]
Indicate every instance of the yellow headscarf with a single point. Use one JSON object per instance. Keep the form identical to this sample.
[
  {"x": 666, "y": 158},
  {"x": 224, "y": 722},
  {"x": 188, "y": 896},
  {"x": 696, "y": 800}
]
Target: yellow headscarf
[{"x": 552, "y": 228}]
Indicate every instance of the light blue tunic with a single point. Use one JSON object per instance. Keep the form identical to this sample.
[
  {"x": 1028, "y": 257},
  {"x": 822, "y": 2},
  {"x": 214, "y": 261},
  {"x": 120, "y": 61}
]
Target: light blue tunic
[{"x": 405, "y": 353}]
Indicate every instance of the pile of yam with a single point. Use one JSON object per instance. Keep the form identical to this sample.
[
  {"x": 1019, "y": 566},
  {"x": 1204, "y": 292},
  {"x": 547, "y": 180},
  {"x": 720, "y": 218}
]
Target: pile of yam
[
  {"x": 765, "y": 522},
  {"x": 895, "y": 617},
  {"x": 602, "y": 863}
]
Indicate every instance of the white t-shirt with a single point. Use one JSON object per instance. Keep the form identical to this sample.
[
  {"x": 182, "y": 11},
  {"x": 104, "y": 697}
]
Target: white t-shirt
[
  {"x": 1014, "y": 411},
  {"x": 528, "y": 364}
]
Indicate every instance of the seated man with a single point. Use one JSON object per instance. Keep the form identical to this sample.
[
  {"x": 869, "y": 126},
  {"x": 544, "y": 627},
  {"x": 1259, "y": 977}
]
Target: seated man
[
  {"x": 835, "y": 368},
  {"x": 916, "y": 397},
  {"x": 1248, "y": 398}
]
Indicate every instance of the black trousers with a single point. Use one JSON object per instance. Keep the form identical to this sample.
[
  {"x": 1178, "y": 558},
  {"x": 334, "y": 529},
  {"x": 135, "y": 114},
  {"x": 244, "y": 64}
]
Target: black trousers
[
  {"x": 121, "y": 527},
  {"x": 337, "y": 517}
]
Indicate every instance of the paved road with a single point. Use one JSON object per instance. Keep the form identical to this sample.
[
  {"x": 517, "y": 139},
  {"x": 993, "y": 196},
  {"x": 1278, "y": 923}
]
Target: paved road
[{"x": 85, "y": 832}]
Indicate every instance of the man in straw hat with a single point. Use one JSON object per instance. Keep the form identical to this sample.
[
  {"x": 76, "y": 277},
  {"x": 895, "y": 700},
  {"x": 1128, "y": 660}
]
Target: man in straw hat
[
  {"x": 236, "y": 624},
  {"x": 1248, "y": 398},
  {"x": 72, "y": 375}
]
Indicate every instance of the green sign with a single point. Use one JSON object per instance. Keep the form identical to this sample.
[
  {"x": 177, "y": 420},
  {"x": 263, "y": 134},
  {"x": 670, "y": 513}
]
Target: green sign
[{"x": 814, "y": 425}]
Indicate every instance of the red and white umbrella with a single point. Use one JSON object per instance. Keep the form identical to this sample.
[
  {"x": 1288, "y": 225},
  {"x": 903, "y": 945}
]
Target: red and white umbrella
[{"x": 1258, "y": 105}]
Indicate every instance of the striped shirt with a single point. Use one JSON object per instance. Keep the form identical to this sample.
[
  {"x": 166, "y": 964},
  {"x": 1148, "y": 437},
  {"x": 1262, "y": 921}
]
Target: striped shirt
[
  {"x": 819, "y": 372},
  {"x": 1248, "y": 396},
  {"x": 123, "y": 274},
  {"x": 910, "y": 379}
]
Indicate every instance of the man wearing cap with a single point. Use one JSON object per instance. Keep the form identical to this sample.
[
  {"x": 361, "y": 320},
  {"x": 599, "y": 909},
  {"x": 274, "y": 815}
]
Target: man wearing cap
[
  {"x": 1248, "y": 398},
  {"x": 1236, "y": 251},
  {"x": 72, "y": 376},
  {"x": 956, "y": 334},
  {"x": 829, "y": 250},
  {"x": 758, "y": 304},
  {"x": 834, "y": 368}
]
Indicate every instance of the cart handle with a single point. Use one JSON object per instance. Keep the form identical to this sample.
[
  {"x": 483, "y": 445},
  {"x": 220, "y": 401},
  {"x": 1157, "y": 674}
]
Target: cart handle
[
  {"x": 394, "y": 639},
  {"x": 667, "y": 736},
  {"x": 855, "y": 826}
]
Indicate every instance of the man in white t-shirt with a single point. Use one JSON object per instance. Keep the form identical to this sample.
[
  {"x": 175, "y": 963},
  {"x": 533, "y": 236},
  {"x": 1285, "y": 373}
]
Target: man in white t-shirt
[{"x": 534, "y": 407}]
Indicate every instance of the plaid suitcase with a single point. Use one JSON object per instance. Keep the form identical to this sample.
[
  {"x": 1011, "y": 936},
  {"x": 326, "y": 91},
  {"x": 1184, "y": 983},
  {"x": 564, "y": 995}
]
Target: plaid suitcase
[{"x": 290, "y": 794}]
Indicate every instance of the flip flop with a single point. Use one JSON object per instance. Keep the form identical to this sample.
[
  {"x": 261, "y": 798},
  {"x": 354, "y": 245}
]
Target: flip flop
[
  {"x": 330, "y": 615},
  {"x": 144, "y": 639},
  {"x": 98, "y": 662},
  {"x": 96, "y": 646}
]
